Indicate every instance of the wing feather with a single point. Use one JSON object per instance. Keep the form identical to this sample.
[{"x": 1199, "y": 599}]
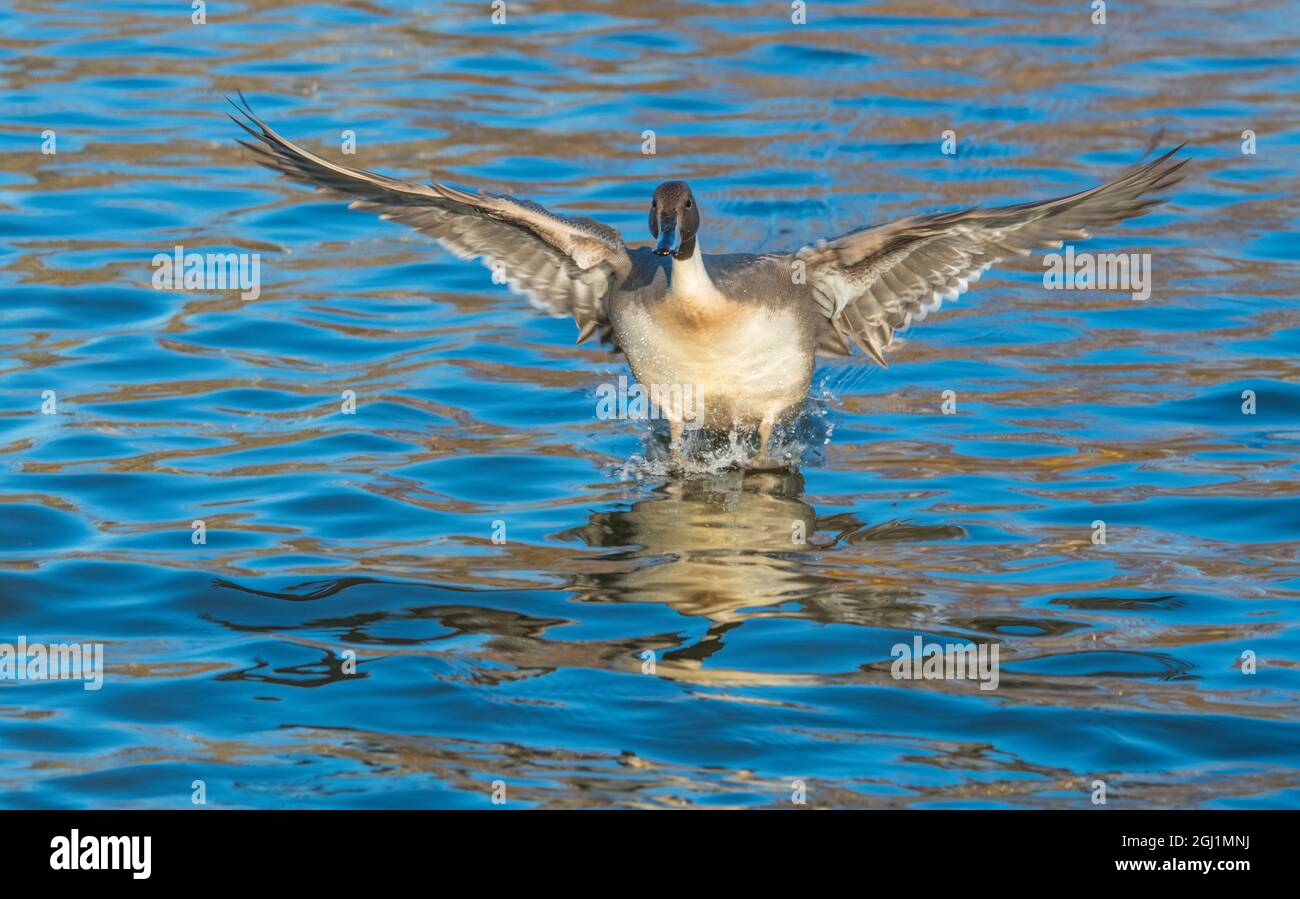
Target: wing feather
[
  {"x": 875, "y": 281},
  {"x": 566, "y": 266}
]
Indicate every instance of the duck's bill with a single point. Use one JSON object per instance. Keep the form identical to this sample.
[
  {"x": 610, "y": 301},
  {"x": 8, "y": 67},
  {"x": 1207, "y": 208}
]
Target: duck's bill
[{"x": 668, "y": 244}]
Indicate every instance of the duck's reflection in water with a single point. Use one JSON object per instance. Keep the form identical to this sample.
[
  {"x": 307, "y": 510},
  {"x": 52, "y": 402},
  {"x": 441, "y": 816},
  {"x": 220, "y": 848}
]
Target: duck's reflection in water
[
  {"x": 726, "y": 549},
  {"x": 739, "y": 545},
  {"x": 708, "y": 547}
]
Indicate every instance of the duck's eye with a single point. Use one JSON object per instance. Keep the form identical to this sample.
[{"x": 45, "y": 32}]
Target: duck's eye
[{"x": 688, "y": 204}]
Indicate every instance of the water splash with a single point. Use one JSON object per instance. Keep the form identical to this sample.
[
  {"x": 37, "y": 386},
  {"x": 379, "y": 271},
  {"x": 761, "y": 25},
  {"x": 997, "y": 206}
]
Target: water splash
[{"x": 797, "y": 444}]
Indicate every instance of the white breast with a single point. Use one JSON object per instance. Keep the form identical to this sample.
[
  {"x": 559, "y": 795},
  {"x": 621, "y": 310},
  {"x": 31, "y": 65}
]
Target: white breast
[{"x": 748, "y": 366}]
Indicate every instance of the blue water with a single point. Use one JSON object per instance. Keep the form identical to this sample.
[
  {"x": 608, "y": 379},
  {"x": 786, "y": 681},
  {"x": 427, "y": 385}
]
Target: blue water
[{"x": 350, "y": 635}]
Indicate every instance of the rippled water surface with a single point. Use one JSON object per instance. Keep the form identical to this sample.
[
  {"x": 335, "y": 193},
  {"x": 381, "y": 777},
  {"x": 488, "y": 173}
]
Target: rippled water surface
[{"x": 370, "y": 536}]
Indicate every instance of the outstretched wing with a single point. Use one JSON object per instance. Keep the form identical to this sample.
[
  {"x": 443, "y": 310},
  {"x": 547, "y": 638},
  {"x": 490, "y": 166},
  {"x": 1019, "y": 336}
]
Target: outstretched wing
[
  {"x": 873, "y": 282},
  {"x": 563, "y": 265}
]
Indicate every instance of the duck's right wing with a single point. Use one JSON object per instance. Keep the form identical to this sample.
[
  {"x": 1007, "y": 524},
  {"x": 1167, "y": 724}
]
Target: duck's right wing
[{"x": 567, "y": 266}]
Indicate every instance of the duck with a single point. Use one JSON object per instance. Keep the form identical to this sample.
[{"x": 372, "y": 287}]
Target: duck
[{"x": 725, "y": 341}]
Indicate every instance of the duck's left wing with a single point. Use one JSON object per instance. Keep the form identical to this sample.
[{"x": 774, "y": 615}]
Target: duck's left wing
[
  {"x": 567, "y": 266},
  {"x": 873, "y": 282}
]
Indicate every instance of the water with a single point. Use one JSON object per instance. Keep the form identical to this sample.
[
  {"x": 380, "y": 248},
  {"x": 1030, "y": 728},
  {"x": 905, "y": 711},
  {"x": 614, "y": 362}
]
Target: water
[{"x": 368, "y": 537}]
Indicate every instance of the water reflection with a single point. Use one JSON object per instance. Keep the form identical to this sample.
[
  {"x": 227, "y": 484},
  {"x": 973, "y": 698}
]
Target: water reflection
[
  {"x": 732, "y": 547},
  {"x": 715, "y": 547}
]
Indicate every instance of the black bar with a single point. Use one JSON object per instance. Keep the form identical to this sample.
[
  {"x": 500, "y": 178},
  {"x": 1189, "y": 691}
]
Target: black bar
[{"x": 337, "y": 848}]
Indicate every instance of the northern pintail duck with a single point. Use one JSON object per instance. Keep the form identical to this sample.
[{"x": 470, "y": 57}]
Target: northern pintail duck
[{"x": 743, "y": 330}]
